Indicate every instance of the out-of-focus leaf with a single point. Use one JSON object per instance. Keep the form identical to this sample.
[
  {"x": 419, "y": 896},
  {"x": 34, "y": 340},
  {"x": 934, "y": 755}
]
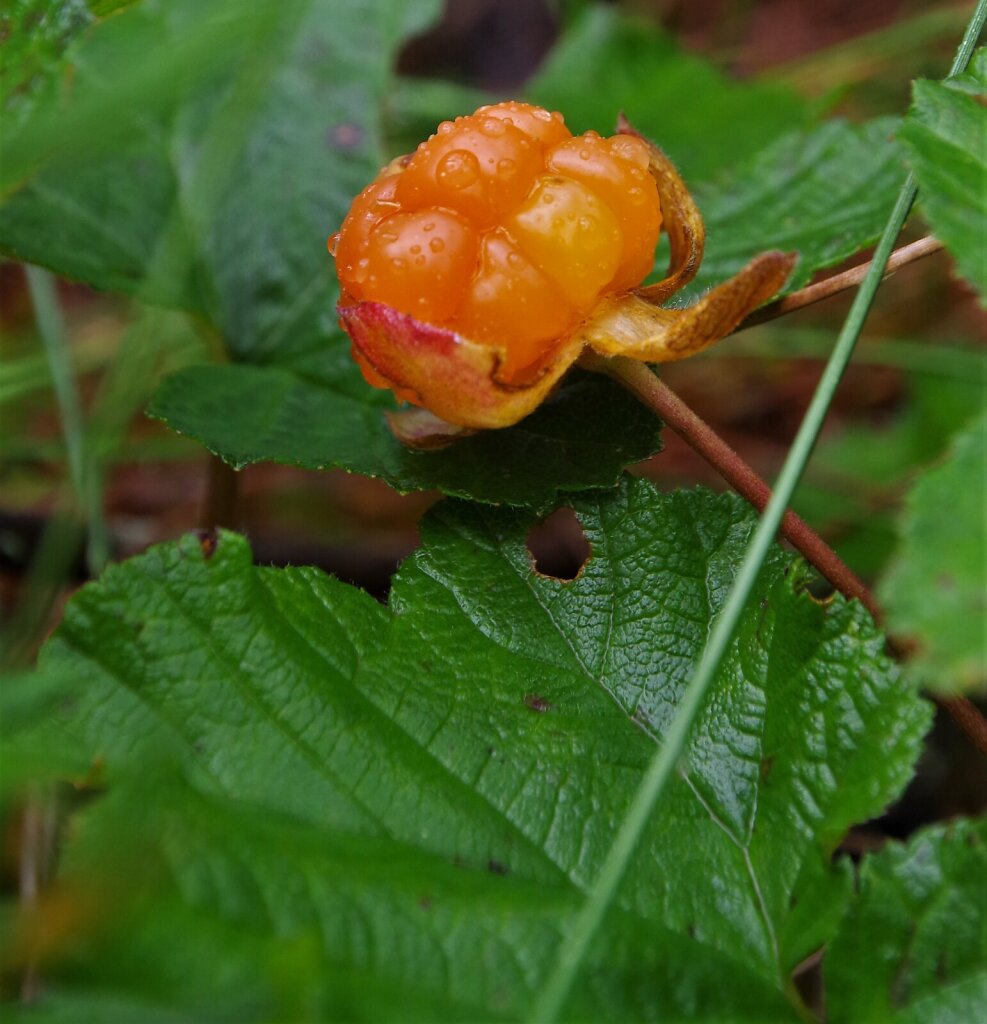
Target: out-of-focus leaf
[
  {"x": 936, "y": 591},
  {"x": 208, "y": 173},
  {"x": 913, "y": 946},
  {"x": 34, "y": 34},
  {"x": 945, "y": 136},
  {"x": 824, "y": 193},
  {"x": 606, "y": 63},
  {"x": 858, "y": 473},
  {"x": 416, "y": 797},
  {"x": 582, "y": 437}
]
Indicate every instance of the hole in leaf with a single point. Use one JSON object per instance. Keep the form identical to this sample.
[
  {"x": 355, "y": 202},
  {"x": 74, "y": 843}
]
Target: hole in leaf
[{"x": 558, "y": 546}]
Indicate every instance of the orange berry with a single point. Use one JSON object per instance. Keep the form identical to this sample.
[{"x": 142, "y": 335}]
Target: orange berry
[
  {"x": 349, "y": 244},
  {"x": 547, "y": 127},
  {"x": 616, "y": 170},
  {"x": 480, "y": 166},
  {"x": 505, "y": 229},
  {"x": 419, "y": 263},
  {"x": 512, "y": 303},
  {"x": 569, "y": 233}
]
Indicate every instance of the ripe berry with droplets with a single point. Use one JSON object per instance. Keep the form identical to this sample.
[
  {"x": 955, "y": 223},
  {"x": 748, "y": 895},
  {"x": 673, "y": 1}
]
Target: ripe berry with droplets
[{"x": 504, "y": 228}]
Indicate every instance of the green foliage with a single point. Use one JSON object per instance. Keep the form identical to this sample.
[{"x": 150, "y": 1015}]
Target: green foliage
[
  {"x": 824, "y": 194},
  {"x": 606, "y": 64},
  {"x": 935, "y": 590},
  {"x": 945, "y": 135},
  {"x": 581, "y": 437},
  {"x": 913, "y": 946},
  {"x": 418, "y": 795},
  {"x": 34, "y": 34},
  {"x": 283, "y": 800}
]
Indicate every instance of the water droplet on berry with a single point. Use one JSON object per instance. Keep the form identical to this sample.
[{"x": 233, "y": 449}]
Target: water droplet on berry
[
  {"x": 388, "y": 236},
  {"x": 458, "y": 169},
  {"x": 359, "y": 271},
  {"x": 514, "y": 260},
  {"x": 445, "y": 128},
  {"x": 398, "y": 263},
  {"x": 636, "y": 195},
  {"x": 493, "y": 127},
  {"x": 430, "y": 226},
  {"x": 542, "y": 115},
  {"x": 333, "y": 244},
  {"x": 547, "y": 197},
  {"x": 584, "y": 154},
  {"x": 419, "y": 261},
  {"x": 506, "y": 167},
  {"x": 436, "y": 244},
  {"x": 587, "y": 223}
]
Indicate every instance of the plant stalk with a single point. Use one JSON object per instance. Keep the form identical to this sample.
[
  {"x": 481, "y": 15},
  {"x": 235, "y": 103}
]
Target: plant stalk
[{"x": 839, "y": 283}]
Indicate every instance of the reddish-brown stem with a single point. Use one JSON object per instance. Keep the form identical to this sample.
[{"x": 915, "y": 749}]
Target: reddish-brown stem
[
  {"x": 967, "y": 716},
  {"x": 651, "y": 391},
  {"x": 839, "y": 283},
  {"x": 659, "y": 397}
]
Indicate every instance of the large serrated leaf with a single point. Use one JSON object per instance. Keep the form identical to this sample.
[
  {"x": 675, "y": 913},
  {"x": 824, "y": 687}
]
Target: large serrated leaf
[
  {"x": 913, "y": 946},
  {"x": 418, "y": 795},
  {"x": 935, "y": 591},
  {"x": 945, "y": 135}
]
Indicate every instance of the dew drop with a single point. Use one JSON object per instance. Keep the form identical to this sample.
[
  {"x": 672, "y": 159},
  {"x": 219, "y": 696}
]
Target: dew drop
[
  {"x": 458, "y": 169},
  {"x": 547, "y": 197},
  {"x": 558, "y": 223},
  {"x": 445, "y": 128},
  {"x": 587, "y": 223},
  {"x": 415, "y": 250},
  {"x": 493, "y": 127},
  {"x": 506, "y": 167},
  {"x": 584, "y": 154},
  {"x": 359, "y": 270},
  {"x": 419, "y": 261},
  {"x": 388, "y": 236},
  {"x": 430, "y": 226},
  {"x": 542, "y": 115},
  {"x": 333, "y": 244},
  {"x": 398, "y": 263},
  {"x": 436, "y": 245},
  {"x": 636, "y": 194},
  {"x": 514, "y": 260}
]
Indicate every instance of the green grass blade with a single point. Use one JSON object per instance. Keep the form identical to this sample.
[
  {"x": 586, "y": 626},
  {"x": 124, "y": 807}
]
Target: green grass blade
[
  {"x": 88, "y": 493},
  {"x": 553, "y": 995}
]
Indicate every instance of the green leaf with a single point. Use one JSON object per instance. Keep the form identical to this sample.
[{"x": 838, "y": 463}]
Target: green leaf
[
  {"x": 945, "y": 136},
  {"x": 580, "y": 438},
  {"x": 420, "y": 794},
  {"x": 605, "y": 64},
  {"x": 824, "y": 194},
  {"x": 217, "y": 192},
  {"x": 935, "y": 591},
  {"x": 913, "y": 946},
  {"x": 35, "y": 34}
]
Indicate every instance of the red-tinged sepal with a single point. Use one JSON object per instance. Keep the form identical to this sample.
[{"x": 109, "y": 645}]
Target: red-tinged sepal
[{"x": 451, "y": 376}]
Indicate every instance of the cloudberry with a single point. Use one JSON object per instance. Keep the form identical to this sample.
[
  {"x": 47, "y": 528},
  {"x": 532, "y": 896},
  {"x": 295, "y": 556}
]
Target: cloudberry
[
  {"x": 504, "y": 228},
  {"x": 475, "y": 271}
]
